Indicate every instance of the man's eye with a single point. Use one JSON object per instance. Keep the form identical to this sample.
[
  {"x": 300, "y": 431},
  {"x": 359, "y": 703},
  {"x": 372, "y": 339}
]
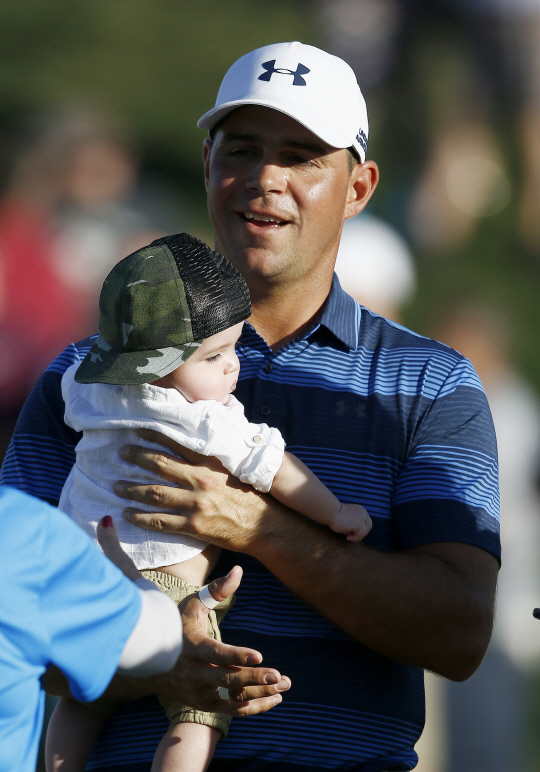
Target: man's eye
[
  {"x": 213, "y": 358},
  {"x": 240, "y": 152},
  {"x": 300, "y": 160}
]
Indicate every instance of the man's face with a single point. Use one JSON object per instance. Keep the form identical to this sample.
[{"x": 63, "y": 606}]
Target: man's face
[{"x": 277, "y": 196}]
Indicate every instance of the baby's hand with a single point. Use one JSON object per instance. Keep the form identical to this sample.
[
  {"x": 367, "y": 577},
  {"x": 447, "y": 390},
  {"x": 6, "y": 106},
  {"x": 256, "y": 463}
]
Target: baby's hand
[{"x": 353, "y": 520}]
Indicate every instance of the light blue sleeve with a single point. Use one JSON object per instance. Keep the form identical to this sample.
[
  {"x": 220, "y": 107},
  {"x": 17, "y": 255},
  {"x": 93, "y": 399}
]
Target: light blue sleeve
[{"x": 88, "y": 607}]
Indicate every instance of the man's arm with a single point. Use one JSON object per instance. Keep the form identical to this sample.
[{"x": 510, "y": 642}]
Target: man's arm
[{"x": 431, "y": 607}]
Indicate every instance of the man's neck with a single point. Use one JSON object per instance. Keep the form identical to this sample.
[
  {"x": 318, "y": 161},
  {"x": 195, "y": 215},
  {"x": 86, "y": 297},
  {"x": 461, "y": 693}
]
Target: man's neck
[{"x": 280, "y": 314}]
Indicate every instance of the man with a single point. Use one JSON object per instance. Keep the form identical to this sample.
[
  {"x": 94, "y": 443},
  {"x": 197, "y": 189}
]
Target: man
[{"x": 384, "y": 417}]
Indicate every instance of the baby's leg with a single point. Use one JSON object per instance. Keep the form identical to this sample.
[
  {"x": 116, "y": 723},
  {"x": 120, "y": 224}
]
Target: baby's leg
[
  {"x": 195, "y": 570},
  {"x": 186, "y": 748},
  {"x": 71, "y": 735}
]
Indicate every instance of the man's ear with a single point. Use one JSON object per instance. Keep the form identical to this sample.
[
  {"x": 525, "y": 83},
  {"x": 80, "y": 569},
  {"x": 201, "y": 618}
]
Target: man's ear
[
  {"x": 207, "y": 147},
  {"x": 362, "y": 184}
]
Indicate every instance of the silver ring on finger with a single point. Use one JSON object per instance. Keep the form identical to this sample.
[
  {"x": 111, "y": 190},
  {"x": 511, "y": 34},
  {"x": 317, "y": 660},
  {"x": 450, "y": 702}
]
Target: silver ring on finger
[{"x": 224, "y": 693}]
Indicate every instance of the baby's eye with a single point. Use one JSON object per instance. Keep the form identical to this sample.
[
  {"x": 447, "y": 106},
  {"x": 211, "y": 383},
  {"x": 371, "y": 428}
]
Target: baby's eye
[{"x": 213, "y": 358}]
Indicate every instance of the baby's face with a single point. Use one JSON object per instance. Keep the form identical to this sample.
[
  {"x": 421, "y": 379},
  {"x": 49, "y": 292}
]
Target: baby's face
[{"x": 211, "y": 372}]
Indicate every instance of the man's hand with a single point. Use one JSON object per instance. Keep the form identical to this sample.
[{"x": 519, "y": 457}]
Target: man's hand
[
  {"x": 211, "y": 504},
  {"x": 206, "y": 664}
]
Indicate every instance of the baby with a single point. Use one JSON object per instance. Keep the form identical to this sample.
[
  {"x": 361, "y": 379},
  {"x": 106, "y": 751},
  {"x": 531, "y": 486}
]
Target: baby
[{"x": 170, "y": 317}]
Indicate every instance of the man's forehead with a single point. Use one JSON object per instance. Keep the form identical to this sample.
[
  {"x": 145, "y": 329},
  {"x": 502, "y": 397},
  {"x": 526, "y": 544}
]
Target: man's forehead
[{"x": 256, "y": 123}]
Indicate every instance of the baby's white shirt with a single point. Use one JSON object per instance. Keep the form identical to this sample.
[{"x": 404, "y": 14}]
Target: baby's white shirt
[{"x": 109, "y": 417}]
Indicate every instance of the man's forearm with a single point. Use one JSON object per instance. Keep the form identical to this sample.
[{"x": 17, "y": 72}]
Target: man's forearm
[{"x": 431, "y": 607}]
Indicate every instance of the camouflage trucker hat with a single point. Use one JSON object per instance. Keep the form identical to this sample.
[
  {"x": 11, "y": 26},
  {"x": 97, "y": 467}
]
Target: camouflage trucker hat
[{"x": 156, "y": 308}]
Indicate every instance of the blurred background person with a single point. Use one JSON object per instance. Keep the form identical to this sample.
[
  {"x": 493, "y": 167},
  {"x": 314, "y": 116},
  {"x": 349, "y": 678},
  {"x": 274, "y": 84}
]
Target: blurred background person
[
  {"x": 98, "y": 221},
  {"x": 487, "y": 715},
  {"x": 66, "y": 218},
  {"x": 36, "y": 312},
  {"x": 375, "y": 265}
]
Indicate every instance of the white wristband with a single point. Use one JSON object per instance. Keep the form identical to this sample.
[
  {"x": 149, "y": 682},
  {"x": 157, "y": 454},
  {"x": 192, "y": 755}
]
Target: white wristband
[{"x": 206, "y": 597}]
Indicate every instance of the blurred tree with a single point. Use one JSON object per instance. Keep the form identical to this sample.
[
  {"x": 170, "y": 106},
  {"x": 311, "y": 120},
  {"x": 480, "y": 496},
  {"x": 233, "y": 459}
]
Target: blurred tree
[{"x": 158, "y": 63}]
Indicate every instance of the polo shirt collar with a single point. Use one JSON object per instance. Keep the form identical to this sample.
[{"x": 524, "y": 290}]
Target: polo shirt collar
[{"x": 340, "y": 315}]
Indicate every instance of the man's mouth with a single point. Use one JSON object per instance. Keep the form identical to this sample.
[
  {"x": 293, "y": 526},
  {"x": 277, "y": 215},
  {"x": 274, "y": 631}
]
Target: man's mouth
[{"x": 263, "y": 220}]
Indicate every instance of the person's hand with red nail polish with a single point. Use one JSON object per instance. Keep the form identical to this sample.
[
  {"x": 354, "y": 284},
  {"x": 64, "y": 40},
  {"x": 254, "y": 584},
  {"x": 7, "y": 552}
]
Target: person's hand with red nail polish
[{"x": 108, "y": 541}]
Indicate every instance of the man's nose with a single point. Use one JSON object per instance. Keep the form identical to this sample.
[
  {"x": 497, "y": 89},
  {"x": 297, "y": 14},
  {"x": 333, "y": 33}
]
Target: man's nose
[{"x": 268, "y": 177}]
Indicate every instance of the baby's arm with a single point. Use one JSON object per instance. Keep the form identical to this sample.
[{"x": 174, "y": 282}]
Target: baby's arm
[
  {"x": 297, "y": 487},
  {"x": 255, "y": 454}
]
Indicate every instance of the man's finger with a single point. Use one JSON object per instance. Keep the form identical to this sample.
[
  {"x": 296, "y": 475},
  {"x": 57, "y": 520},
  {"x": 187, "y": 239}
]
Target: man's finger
[
  {"x": 250, "y": 708},
  {"x": 165, "y": 464},
  {"x": 206, "y": 649},
  {"x": 247, "y": 693},
  {"x": 221, "y": 588},
  {"x": 160, "y": 439},
  {"x": 157, "y": 521},
  {"x": 157, "y": 495}
]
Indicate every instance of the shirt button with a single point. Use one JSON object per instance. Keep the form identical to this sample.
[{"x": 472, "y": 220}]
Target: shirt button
[
  {"x": 257, "y": 438},
  {"x": 265, "y": 410},
  {"x": 268, "y": 367}
]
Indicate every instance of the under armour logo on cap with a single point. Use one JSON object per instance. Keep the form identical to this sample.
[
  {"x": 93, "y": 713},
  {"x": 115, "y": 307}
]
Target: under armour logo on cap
[
  {"x": 362, "y": 139},
  {"x": 298, "y": 80}
]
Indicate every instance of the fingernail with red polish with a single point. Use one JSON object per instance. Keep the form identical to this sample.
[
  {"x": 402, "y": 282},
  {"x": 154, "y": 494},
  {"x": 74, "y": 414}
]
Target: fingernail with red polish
[{"x": 106, "y": 521}]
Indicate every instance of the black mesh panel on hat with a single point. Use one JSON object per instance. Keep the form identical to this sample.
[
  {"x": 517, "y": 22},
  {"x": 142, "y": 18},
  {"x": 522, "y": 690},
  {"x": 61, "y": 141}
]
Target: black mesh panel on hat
[{"x": 216, "y": 293}]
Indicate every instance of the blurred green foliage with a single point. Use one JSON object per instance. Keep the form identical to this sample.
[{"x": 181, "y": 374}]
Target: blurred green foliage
[{"x": 158, "y": 63}]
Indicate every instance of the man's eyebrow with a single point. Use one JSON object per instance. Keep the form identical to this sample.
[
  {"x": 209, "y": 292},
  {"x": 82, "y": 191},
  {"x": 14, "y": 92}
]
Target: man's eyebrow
[
  {"x": 314, "y": 147},
  {"x": 237, "y": 136}
]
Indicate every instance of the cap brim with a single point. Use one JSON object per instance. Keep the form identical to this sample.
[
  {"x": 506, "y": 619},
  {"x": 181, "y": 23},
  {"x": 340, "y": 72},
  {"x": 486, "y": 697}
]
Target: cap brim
[
  {"x": 314, "y": 123},
  {"x": 105, "y": 364}
]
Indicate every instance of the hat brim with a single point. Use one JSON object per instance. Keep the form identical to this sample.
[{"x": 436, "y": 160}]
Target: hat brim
[
  {"x": 105, "y": 364},
  {"x": 314, "y": 123}
]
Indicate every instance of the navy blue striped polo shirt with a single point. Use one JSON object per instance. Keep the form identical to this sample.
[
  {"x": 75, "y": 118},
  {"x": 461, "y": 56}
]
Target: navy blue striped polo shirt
[{"x": 385, "y": 418}]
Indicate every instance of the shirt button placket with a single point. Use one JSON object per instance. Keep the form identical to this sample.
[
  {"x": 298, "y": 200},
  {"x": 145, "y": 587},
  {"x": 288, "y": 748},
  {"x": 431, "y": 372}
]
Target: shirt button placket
[{"x": 264, "y": 409}]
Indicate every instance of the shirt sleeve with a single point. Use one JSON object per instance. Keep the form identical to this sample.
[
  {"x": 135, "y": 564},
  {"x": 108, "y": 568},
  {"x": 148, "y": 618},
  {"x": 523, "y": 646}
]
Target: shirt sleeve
[
  {"x": 447, "y": 489},
  {"x": 88, "y": 607}
]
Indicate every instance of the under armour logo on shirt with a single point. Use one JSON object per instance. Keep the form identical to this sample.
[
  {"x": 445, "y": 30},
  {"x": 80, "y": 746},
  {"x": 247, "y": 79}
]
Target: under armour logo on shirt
[
  {"x": 342, "y": 408},
  {"x": 270, "y": 68}
]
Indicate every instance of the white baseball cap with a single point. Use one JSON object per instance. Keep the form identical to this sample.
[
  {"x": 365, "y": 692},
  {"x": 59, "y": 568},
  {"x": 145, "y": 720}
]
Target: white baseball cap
[{"x": 317, "y": 89}]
